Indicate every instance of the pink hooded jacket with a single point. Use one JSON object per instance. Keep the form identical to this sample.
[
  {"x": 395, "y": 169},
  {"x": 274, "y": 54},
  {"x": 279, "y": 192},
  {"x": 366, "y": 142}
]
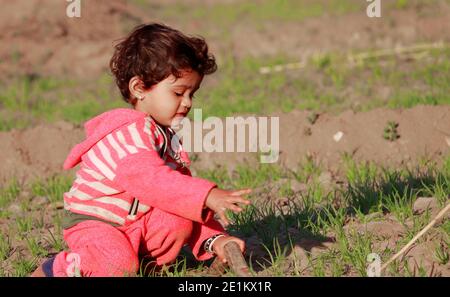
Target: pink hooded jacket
[{"x": 128, "y": 166}]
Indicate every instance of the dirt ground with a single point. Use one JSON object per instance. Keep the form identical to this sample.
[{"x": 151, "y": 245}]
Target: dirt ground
[
  {"x": 33, "y": 43},
  {"x": 423, "y": 130}
]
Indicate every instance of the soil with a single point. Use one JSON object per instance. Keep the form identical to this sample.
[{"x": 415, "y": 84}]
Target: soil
[
  {"x": 41, "y": 150},
  {"x": 38, "y": 38}
]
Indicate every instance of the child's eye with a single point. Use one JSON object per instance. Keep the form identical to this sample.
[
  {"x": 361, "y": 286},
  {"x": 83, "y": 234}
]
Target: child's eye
[{"x": 178, "y": 94}]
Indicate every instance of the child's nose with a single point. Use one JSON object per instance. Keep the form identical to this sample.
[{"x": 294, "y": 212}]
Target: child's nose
[{"x": 187, "y": 102}]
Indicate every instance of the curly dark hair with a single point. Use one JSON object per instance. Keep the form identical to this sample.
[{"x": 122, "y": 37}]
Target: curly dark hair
[{"x": 155, "y": 51}]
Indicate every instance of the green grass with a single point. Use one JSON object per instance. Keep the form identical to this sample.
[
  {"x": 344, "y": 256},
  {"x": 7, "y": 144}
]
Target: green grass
[
  {"x": 24, "y": 225},
  {"x": 277, "y": 258},
  {"x": 55, "y": 241},
  {"x": 23, "y": 267},
  {"x": 314, "y": 213},
  {"x": 323, "y": 86},
  {"x": 327, "y": 83},
  {"x": 5, "y": 247},
  {"x": 407, "y": 4},
  {"x": 181, "y": 267},
  {"x": 390, "y": 131},
  {"x": 393, "y": 192},
  {"x": 354, "y": 249},
  {"x": 9, "y": 193},
  {"x": 371, "y": 190},
  {"x": 35, "y": 232},
  {"x": 26, "y": 100},
  {"x": 52, "y": 188},
  {"x": 441, "y": 254},
  {"x": 35, "y": 248},
  {"x": 227, "y": 14},
  {"x": 244, "y": 176},
  {"x": 307, "y": 169}
]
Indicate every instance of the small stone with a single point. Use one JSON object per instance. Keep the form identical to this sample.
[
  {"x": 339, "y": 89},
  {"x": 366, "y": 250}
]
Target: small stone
[
  {"x": 15, "y": 208},
  {"x": 41, "y": 200},
  {"x": 337, "y": 137},
  {"x": 325, "y": 178},
  {"x": 374, "y": 216},
  {"x": 56, "y": 205},
  {"x": 24, "y": 194},
  {"x": 423, "y": 203},
  {"x": 307, "y": 131},
  {"x": 447, "y": 139},
  {"x": 63, "y": 125},
  {"x": 282, "y": 181},
  {"x": 382, "y": 228}
]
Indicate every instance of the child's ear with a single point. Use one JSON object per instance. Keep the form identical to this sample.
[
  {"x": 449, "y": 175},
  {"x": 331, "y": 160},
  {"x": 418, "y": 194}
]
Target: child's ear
[{"x": 136, "y": 87}]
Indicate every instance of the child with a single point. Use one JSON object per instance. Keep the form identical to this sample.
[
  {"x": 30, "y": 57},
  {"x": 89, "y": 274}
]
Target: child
[{"x": 134, "y": 195}]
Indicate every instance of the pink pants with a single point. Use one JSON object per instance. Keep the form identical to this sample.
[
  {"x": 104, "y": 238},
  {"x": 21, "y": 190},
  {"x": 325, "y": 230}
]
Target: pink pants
[{"x": 104, "y": 250}]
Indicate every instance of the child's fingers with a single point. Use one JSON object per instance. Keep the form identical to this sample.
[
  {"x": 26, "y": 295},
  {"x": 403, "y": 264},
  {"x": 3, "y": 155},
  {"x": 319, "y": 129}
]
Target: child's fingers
[
  {"x": 235, "y": 200},
  {"x": 242, "y": 246},
  {"x": 241, "y": 192},
  {"x": 235, "y": 208},
  {"x": 224, "y": 219}
]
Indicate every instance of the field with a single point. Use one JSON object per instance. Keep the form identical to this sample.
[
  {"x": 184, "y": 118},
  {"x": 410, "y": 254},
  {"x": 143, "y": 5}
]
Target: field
[{"x": 364, "y": 109}]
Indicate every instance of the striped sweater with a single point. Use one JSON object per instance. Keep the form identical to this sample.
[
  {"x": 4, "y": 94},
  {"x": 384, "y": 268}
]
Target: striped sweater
[{"x": 128, "y": 165}]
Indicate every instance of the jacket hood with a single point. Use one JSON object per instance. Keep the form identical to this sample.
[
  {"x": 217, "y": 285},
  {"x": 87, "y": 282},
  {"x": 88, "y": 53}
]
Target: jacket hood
[{"x": 97, "y": 128}]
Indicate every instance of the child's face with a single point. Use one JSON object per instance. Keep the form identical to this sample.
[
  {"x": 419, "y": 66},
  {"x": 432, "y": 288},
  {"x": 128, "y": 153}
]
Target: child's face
[{"x": 170, "y": 100}]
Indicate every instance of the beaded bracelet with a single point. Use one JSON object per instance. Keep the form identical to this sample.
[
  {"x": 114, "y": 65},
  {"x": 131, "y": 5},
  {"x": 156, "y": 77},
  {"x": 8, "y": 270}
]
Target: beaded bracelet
[{"x": 210, "y": 241}]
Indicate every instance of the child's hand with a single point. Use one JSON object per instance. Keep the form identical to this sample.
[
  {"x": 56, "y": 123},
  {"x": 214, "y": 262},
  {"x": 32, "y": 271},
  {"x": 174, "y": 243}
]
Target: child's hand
[
  {"x": 220, "y": 200},
  {"x": 219, "y": 244}
]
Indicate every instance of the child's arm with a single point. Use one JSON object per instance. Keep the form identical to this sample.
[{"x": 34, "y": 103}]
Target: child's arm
[
  {"x": 145, "y": 176},
  {"x": 200, "y": 234},
  {"x": 219, "y": 201},
  {"x": 129, "y": 158}
]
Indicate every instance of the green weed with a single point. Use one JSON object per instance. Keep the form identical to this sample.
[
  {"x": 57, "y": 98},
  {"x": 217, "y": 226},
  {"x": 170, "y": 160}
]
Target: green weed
[
  {"x": 9, "y": 193},
  {"x": 390, "y": 132},
  {"x": 23, "y": 267},
  {"x": 5, "y": 247},
  {"x": 441, "y": 254},
  {"x": 35, "y": 248},
  {"x": 53, "y": 188}
]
